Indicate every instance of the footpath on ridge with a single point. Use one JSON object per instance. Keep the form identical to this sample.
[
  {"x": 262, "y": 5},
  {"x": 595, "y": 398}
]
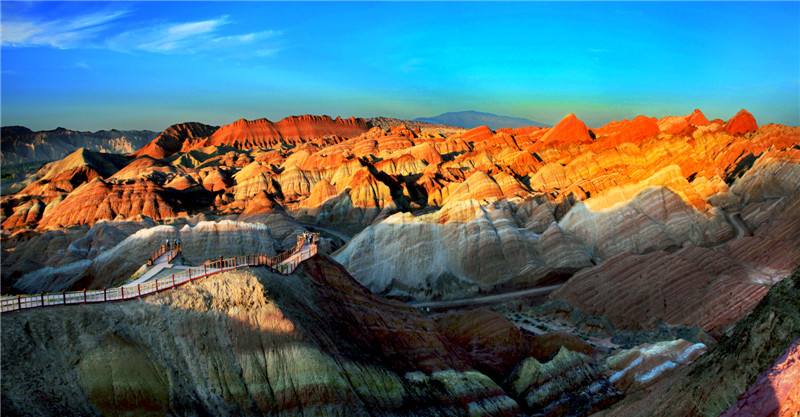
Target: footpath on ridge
[{"x": 162, "y": 275}]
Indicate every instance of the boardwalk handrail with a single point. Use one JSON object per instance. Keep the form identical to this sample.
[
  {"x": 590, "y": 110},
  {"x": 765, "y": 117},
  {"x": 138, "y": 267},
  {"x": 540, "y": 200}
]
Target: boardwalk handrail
[
  {"x": 281, "y": 264},
  {"x": 173, "y": 248}
]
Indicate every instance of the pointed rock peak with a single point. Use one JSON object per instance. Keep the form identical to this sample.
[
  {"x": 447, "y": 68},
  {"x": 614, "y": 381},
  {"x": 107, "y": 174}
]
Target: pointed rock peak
[
  {"x": 569, "y": 130},
  {"x": 743, "y": 122},
  {"x": 697, "y": 118}
]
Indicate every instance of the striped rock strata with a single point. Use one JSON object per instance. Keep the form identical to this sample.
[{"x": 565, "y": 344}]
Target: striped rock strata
[
  {"x": 755, "y": 351},
  {"x": 244, "y": 343}
]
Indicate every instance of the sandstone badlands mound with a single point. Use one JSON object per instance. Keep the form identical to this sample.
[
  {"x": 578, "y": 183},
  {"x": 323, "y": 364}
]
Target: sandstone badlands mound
[{"x": 662, "y": 236}]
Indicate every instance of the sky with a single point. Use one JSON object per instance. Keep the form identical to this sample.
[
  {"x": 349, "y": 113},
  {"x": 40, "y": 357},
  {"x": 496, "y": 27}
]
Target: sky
[{"x": 147, "y": 65}]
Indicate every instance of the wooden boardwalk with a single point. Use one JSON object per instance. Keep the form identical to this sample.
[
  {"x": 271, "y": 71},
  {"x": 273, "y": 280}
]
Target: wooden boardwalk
[{"x": 284, "y": 263}]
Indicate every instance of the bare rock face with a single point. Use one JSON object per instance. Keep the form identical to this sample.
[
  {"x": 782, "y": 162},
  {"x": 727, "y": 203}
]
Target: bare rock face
[
  {"x": 656, "y": 218},
  {"x": 146, "y": 168},
  {"x": 171, "y": 140},
  {"x": 568, "y": 130},
  {"x": 243, "y": 343},
  {"x": 570, "y": 384},
  {"x": 635, "y": 130},
  {"x": 100, "y": 200},
  {"x": 646, "y": 364},
  {"x": 700, "y": 286},
  {"x": 479, "y": 187},
  {"x": 34, "y": 262},
  {"x": 492, "y": 343},
  {"x": 682, "y": 125},
  {"x": 755, "y": 351},
  {"x": 776, "y": 391},
  {"x": 697, "y": 118},
  {"x": 21, "y": 145},
  {"x": 63, "y": 176},
  {"x": 742, "y": 122},
  {"x": 674, "y": 125},
  {"x": 295, "y": 129},
  {"x": 25, "y": 214},
  {"x": 458, "y": 250}
]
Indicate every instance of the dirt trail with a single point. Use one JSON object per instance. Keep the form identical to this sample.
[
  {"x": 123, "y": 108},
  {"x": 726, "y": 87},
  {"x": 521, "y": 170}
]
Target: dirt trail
[{"x": 486, "y": 299}]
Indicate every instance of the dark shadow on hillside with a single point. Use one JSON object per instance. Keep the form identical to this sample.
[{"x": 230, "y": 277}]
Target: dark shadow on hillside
[{"x": 217, "y": 348}]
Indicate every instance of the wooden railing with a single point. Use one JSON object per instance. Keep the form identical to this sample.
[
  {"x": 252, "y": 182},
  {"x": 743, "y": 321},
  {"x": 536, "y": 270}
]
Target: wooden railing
[
  {"x": 172, "y": 249},
  {"x": 281, "y": 264}
]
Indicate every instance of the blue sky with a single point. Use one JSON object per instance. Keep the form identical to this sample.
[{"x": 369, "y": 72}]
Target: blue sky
[{"x": 147, "y": 65}]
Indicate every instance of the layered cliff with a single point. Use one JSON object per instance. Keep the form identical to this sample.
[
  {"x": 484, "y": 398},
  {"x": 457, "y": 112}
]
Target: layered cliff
[
  {"x": 748, "y": 373},
  {"x": 291, "y": 130},
  {"x": 171, "y": 140}
]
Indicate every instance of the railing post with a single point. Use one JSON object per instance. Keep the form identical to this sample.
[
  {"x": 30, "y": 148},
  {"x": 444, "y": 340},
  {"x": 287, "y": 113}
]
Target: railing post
[
  {"x": 104, "y": 294},
  {"x": 173, "y": 280},
  {"x": 122, "y": 293},
  {"x": 42, "y": 296},
  {"x": 64, "y": 297},
  {"x": 156, "y": 285},
  {"x": 205, "y": 272},
  {"x": 84, "y": 295},
  {"x": 19, "y": 302},
  {"x": 139, "y": 289}
]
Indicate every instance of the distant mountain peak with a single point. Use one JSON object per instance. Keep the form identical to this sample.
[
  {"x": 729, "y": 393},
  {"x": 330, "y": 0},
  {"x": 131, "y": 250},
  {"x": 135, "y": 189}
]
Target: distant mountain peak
[{"x": 471, "y": 118}]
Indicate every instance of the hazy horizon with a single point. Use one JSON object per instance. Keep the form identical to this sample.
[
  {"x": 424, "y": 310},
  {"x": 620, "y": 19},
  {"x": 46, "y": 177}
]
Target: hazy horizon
[
  {"x": 93, "y": 66},
  {"x": 275, "y": 119}
]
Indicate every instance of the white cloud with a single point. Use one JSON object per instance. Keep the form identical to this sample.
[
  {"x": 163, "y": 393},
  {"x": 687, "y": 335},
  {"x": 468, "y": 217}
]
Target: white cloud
[
  {"x": 59, "y": 33},
  {"x": 102, "y": 30}
]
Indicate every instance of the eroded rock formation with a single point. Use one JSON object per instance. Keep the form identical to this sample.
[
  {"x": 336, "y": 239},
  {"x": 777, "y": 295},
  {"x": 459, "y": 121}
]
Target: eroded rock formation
[
  {"x": 749, "y": 363},
  {"x": 243, "y": 343}
]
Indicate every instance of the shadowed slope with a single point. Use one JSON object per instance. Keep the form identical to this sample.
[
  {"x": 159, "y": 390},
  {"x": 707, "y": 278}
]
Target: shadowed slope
[{"x": 244, "y": 343}]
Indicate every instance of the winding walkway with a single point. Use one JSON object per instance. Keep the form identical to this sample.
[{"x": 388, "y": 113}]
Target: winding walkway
[
  {"x": 284, "y": 264},
  {"x": 344, "y": 237}
]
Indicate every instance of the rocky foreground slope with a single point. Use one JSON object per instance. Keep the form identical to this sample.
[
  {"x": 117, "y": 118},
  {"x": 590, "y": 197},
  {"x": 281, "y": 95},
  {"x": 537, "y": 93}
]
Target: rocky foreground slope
[
  {"x": 752, "y": 371},
  {"x": 316, "y": 342},
  {"x": 242, "y": 343}
]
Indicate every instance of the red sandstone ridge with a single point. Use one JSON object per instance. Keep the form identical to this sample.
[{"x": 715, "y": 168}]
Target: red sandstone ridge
[
  {"x": 172, "y": 139},
  {"x": 635, "y": 130},
  {"x": 682, "y": 125},
  {"x": 569, "y": 130},
  {"x": 264, "y": 133},
  {"x": 697, "y": 118},
  {"x": 478, "y": 134},
  {"x": 742, "y": 123},
  {"x": 101, "y": 200}
]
